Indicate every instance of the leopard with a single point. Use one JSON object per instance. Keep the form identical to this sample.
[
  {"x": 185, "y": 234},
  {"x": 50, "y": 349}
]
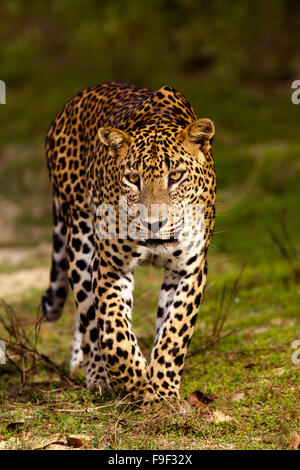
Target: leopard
[{"x": 117, "y": 142}]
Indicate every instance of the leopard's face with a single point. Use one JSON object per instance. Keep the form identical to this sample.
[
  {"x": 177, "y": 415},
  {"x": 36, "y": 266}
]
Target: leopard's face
[
  {"x": 161, "y": 173},
  {"x": 164, "y": 177}
]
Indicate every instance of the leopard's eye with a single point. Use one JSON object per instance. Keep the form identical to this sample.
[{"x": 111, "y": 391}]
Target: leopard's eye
[
  {"x": 175, "y": 177},
  {"x": 133, "y": 178}
]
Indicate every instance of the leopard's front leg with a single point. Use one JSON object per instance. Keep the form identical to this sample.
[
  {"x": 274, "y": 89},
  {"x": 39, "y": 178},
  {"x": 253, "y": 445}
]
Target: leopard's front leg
[
  {"x": 125, "y": 365},
  {"x": 175, "y": 325}
]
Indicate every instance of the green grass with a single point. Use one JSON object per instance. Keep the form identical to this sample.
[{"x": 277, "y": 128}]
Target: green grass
[{"x": 252, "y": 358}]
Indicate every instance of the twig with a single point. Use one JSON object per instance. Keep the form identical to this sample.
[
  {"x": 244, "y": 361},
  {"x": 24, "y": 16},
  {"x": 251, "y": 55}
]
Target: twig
[
  {"x": 21, "y": 344},
  {"x": 212, "y": 343},
  {"x": 222, "y": 311}
]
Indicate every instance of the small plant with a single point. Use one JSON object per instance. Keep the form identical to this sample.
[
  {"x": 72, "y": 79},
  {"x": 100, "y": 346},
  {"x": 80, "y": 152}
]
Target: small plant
[
  {"x": 21, "y": 348},
  {"x": 284, "y": 244},
  {"x": 224, "y": 303}
]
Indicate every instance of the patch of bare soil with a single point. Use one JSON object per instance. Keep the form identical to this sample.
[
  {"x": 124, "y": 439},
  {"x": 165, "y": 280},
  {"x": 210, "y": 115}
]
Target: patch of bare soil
[
  {"x": 14, "y": 256},
  {"x": 16, "y": 283}
]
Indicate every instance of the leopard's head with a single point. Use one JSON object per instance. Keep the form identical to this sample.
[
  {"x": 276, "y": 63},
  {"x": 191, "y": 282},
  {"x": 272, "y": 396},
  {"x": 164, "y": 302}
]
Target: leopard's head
[{"x": 162, "y": 170}]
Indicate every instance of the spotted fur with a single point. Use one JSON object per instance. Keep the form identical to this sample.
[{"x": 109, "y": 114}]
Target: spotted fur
[{"x": 103, "y": 134}]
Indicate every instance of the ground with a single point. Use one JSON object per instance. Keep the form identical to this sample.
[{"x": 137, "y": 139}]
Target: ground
[{"x": 241, "y": 355}]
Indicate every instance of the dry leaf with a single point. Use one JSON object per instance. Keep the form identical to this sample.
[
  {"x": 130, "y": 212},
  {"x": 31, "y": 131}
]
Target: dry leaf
[
  {"x": 219, "y": 417},
  {"x": 74, "y": 442},
  {"x": 238, "y": 396},
  {"x": 295, "y": 441},
  {"x": 198, "y": 398},
  {"x": 213, "y": 415},
  {"x": 15, "y": 426}
]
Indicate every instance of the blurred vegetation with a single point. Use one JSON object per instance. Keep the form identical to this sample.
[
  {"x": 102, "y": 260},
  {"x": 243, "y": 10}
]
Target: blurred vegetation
[
  {"x": 234, "y": 61},
  {"x": 221, "y": 55}
]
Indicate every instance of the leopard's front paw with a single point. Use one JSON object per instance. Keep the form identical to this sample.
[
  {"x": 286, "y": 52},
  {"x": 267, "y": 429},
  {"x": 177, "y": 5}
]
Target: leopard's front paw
[
  {"x": 171, "y": 402},
  {"x": 167, "y": 406}
]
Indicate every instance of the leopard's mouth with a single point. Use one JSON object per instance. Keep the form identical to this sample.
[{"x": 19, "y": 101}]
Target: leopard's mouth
[{"x": 153, "y": 242}]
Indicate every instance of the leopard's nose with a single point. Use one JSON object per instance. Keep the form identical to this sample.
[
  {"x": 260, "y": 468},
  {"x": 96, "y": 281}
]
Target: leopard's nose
[{"x": 154, "y": 227}]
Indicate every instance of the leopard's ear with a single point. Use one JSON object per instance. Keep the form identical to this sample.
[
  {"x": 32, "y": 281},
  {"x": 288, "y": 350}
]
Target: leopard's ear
[
  {"x": 113, "y": 138},
  {"x": 200, "y": 132}
]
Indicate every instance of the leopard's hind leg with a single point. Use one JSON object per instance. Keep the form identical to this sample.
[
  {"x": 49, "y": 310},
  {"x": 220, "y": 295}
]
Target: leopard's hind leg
[{"x": 54, "y": 297}]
